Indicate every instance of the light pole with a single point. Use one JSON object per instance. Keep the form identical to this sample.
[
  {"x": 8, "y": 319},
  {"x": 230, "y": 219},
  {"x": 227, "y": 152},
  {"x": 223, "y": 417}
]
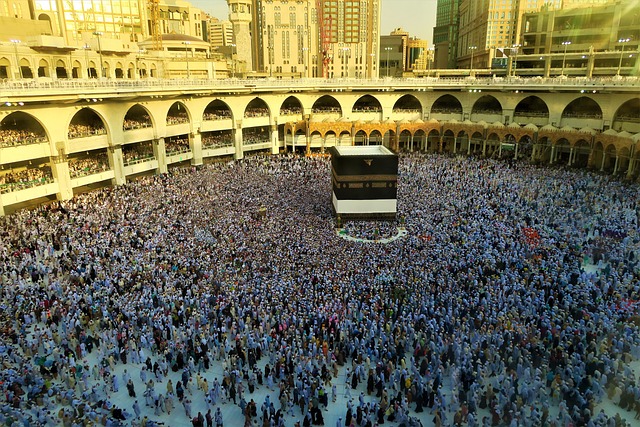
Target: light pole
[
  {"x": 186, "y": 57},
  {"x": 472, "y": 49},
  {"x": 564, "y": 55},
  {"x": 514, "y": 64},
  {"x": 388, "y": 49},
  {"x": 15, "y": 48},
  {"x": 622, "y": 42},
  {"x": 98, "y": 34}
]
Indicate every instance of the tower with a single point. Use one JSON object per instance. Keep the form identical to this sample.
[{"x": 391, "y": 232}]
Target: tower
[{"x": 240, "y": 15}]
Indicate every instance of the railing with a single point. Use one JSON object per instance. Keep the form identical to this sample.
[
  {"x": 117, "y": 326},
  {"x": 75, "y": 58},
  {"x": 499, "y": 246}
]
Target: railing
[
  {"x": 139, "y": 160},
  {"x": 23, "y": 185},
  {"x": 21, "y": 142},
  {"x": 88, "y": 171},
  {"x": 133, "y": 126},
  {"x": 175, "y": 152},
  {"x": 87, "y": 133},
  {"x": 111, "y": 85}
]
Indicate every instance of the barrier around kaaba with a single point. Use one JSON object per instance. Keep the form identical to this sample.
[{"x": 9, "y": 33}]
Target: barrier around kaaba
[{"x": 365, "y": 182}]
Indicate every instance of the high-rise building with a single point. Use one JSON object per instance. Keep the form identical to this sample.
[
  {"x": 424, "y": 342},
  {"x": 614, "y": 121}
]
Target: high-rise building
[
  {"x": 312, "y": 38},
  {"x": 220, "y": 33},
  {"x": 400, "y": 53},
  {"x": 445, "y": 34},
  {"x": 489, "y": 26}
]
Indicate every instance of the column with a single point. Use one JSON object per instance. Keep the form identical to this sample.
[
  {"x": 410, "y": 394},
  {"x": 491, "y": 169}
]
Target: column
[
  {"x": 515, "y": 155},
  {"x": 411, "y": 144},
  {"x": 455, "y": 144},
  {"x": 324, "y": 141},
  {"x": 484, "y": 148},
  {"x": 161, "y": 154},
  {"x": 615, "y": 167},
  {"x": 572, "y": 156},
  {"x": 116, "y": 162},
  {"x": 468, "y": 145},
  {"x": 195, "y": 145},
  {"x": 604, "y": 157},
  {"x": 60, "y": 170},
  {"x": 553, "y": 154},
  {"x": 237, "y": 138},
  {"x": 547, "y": 66},
  {"x": 306, "y": 132},
  {"x": 500, "y": 149},
  {"x": 274, "y": 139},
  {"x": 591, "y": 63}
]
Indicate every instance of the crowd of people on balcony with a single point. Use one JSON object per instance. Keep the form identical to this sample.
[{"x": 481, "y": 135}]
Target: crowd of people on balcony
[
  {"x": 290, "y": 111},
  {"x": 136, "y": 153},
  {"x": 256, "y": 112},
  {"x": 216, "y": 140},
  {"x": 360, "y": 108},
  {"x": 141, "y": 122},
  {"x": 176, "y": 145},
  {"x": 217, "y": 114},
  {"x": 82, "y": 130},
  {"x": 325, "y": 109},
  {"x": 178, "y": 119},
  {"x": 255, "y": 136},
  {"x": 15, "y": 180},
  {"x": 12, "y": 137},
  {"x": 512, "y": 300},
  {"x": 89, "y": 165}
]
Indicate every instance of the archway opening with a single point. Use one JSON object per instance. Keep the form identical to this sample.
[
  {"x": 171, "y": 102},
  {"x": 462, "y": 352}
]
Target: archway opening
[
  {"x": 177, "y": 114},
  {"x": 256, "y": 108},
  {"x": 20, "y": 128},
  {"x": 217, "y": 110},
  {"x": 136, "y": 118},
  {"x": 85, "y": 123}
]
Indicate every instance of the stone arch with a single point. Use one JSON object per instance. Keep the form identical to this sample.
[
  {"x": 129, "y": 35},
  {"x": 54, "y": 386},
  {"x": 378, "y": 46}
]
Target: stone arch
[
  {"x": 433, "y": 140},
  {"x": 367, "y": 104},
  {"x": 137, "y": 117},
  {"x": 291, "y": 106},
  {"x": 20, "y": 128},
  {"x": 462, "y": 141},
  {"x": 562, "y": 151},
  {"x": 448, "y": 140},
  {"x": 582, "y": 152},
  {"x": 344, "y": 138},
  {"x": 388, "y": 138},
  {"x": 447, "y": 105},
  {"x": 476, "y": 141},
  {"x": 486, "y": 108},
  {"x": 85, "y": 123},
  {"x": 532, "y": 109},
  {"x": 407, "y": 103},
  {"x": 493, "y": 144},
  {"x": 624, "y": 158},
  {"x": 326, "y": 104},
  {"x": 119, "y": 70},
  {"x": 257, "y": 108},
  {"x": 43, "y": 68},
  {"x": 582, "y": 112},
  {"x": 76, "y": 69},
  {"x": 217, "y": 110},
  {"x": 315, "y": 139},
  {"x": 375, "y": 137},
  {"x": 420, "y": 140},
  {"x": 5, "y": 68},
  {"x": 178, "y": 113},
  {"x": 61, "y": 69},
  {"x": 627, "y": 117},
  {"x": 544, "y": 146},
  {"x": 330, "y": 139},
  {"x": 610, "y": 154},
  {"x": 92, "y": 71},
  {"x": 360, "y": 138},
  {"x": 597, "y": 155},
  {"x": 131, "y": 71},
  {"x": 404, "y": 140}
]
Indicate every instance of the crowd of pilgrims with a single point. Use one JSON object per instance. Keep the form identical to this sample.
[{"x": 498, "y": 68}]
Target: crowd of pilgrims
[{"x": 481, "y": 316}]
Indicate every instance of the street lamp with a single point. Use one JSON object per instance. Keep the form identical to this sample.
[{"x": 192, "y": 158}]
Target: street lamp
[
  {"x": 472, "y": 49},
  {"x": 186, "y": 57},
  {"x": 98, "y": 34},
  {"x": 622, "y": 42},
  {"x": 514, "y": 64},
  {"x": 15, "y": 47},
  {"x": 564, "y": 56},
  {"x": 388, "y": 49}
]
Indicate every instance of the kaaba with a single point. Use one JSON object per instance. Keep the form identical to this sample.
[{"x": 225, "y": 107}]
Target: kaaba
[{"x": 365, "y": 182}]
